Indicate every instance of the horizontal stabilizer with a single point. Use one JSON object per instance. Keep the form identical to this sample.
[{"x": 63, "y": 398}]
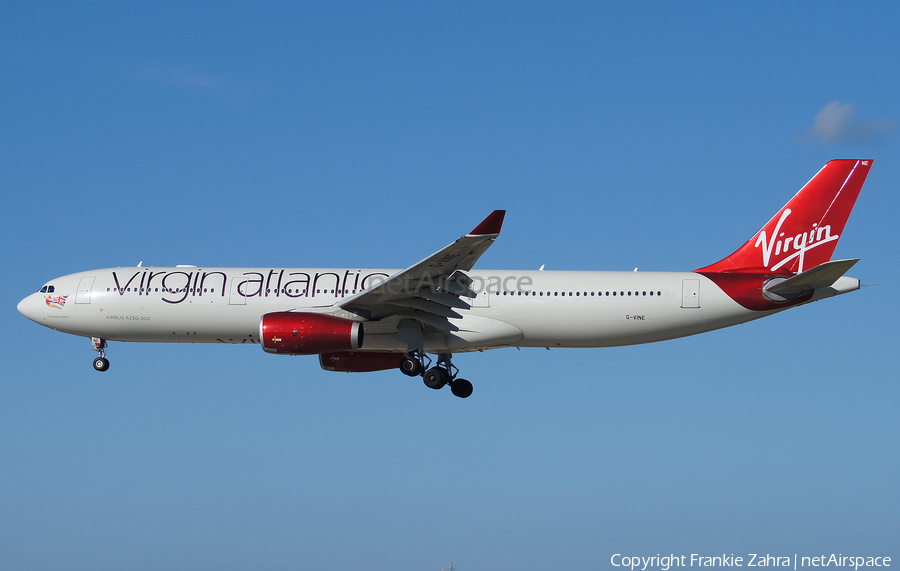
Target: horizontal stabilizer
[{"x": 820, "y": 276}]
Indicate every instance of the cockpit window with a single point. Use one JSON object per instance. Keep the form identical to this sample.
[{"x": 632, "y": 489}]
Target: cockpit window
[{"x": 47, "y": 289}]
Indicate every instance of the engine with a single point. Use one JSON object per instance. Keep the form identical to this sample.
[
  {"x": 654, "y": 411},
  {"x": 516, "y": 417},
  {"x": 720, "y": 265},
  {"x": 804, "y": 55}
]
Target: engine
[
  {"x": 290, "y": 333},
  {"x": 356, "y": 362}
]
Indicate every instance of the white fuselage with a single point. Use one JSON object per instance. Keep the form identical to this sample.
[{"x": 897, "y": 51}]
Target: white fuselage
[{"x": 513, "y": 308}]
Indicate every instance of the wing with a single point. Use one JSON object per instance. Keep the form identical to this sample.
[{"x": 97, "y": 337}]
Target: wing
[{"x": 429, "y": 291}]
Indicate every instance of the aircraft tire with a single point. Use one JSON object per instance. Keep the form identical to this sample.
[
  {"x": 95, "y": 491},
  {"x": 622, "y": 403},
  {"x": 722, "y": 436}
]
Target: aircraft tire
[
  {"x": 410, "y": 367},
  {"x": 435, "y": 378},
  {"x": 101, "y": 364},
  {"x": 461, "y": 388}
]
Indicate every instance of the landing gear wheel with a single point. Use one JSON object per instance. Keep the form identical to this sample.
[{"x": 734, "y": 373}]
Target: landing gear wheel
[
  {"x": 436, "y": 377},
  {"x": 411, "y": 366},
  {"x": 461, "y": 388},
  {"x": 99, "y": 345},
  {"x": 442, "y": 374}
]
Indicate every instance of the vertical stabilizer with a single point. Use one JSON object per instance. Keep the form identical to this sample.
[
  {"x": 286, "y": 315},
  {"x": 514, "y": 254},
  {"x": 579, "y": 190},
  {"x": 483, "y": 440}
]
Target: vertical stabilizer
[{"x": 804, "y": 233}]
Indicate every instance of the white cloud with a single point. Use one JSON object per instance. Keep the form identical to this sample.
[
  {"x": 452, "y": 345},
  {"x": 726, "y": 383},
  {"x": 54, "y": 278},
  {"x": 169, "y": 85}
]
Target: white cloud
[
  {"x": 837, "y": 123},
  {"x": 225, "y": 87}
]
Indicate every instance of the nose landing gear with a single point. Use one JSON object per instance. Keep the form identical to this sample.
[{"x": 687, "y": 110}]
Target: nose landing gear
[
  {"x": 101, "y": 363},
  {"x": 444, "y": 373}
]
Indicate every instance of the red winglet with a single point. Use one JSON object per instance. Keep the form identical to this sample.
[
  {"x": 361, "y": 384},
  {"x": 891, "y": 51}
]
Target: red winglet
[{"x": 490, "y": 225}]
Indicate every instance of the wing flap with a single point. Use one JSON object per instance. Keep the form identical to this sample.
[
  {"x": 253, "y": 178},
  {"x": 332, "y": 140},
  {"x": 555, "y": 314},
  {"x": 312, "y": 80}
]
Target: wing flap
[
  {"x": 446, "y": 299},
  {"x": 426, "y": 306},
  {"x": 441, "y": 323}
]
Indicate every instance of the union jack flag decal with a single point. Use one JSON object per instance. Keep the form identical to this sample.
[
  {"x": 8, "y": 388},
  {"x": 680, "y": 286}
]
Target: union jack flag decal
[{"x": 57, "y": 302}]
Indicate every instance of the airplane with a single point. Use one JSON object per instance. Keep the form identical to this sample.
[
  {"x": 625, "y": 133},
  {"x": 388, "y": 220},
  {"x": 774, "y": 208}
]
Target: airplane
[{"x": 360, "y": 320}]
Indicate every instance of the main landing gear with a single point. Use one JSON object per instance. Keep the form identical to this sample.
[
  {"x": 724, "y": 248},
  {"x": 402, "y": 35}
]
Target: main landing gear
[
  {"x": 101, "y": 363},
  {"x": 444, "y": 373}
]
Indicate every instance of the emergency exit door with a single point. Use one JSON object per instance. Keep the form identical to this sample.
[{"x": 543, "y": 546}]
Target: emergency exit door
[
  {"x": 690, "y": 293},
  {"x": 83, "y": 293}
]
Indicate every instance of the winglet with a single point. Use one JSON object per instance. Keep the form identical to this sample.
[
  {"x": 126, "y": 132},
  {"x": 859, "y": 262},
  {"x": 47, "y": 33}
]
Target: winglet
[{"x": 490, "y": 225}]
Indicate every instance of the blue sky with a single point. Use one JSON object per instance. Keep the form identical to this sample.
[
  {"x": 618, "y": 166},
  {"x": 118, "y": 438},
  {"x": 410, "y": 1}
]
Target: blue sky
[{"x": 617, "y": 136}]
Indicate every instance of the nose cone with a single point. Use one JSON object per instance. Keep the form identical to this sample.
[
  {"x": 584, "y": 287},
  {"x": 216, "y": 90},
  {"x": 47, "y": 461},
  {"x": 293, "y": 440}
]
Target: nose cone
[{"x": 30, "y": 307}]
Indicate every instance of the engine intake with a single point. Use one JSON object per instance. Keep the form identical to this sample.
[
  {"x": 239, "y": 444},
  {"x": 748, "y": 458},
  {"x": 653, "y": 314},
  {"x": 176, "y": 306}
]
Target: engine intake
[{"x": 291, "y": 333}]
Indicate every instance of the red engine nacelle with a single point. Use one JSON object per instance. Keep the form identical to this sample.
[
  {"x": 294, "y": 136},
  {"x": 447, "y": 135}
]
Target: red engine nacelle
[
  {"x": 289, "y": 333},
  {"x": 355, "y": 362}
]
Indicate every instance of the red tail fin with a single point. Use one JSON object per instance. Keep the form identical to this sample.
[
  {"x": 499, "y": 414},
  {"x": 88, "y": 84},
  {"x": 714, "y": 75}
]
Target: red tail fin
[{"x": 804, "y": 233}]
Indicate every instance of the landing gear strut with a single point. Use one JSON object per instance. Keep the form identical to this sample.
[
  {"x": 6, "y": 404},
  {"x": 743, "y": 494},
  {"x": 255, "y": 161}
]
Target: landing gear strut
[
  {"x": 444, "y": 373},
  {"x": 101, "y": 363}
]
